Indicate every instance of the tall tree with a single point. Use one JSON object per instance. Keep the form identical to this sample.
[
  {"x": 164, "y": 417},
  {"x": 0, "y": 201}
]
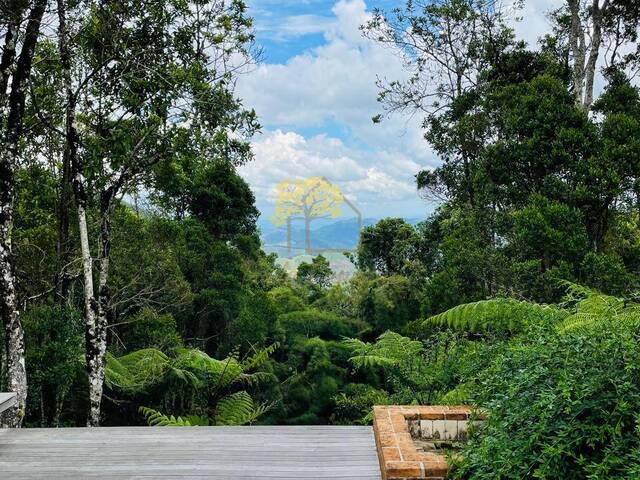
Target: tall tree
[
  {"x": 15, "y": 70},
  {"x": 444, "y": 47},
  {"x": 147, "y": 82},
  {"x": 594, "y": 27}
]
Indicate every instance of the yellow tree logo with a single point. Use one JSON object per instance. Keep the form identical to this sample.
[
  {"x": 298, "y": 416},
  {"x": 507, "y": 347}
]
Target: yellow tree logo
[{"x": 306, "y": 199}]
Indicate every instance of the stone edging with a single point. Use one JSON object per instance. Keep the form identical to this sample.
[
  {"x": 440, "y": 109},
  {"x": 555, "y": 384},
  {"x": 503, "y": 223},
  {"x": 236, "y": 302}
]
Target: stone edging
[{"x": 397, "y": 452}]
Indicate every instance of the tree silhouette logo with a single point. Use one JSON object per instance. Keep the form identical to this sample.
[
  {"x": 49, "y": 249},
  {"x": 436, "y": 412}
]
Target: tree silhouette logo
[{"x": 309, "y": 199}]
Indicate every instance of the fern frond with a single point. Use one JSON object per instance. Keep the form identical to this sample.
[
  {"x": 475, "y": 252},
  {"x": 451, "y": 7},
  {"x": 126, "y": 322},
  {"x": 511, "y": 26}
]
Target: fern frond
[
  {"x": 156, "y": 419},
  {"x": 390, "y": 349},
  {"x": 500, "y": 314},
  {"x": 259, "y": 358},
  {"x": 136, "y": 371},
  {"x": 238, "y": 409}
]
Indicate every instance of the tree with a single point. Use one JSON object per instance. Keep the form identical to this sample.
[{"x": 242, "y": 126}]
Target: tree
[
  {"x": 592, "y": 26},
  {"x": 148, "y": 89},
  {"x": 306, "y": 199},
  {"x": 388, "y": 246},
  {"x": 15, "y": 70},
  {"x": 445, "y": 47},
  {"x": 316, "y": 274}
]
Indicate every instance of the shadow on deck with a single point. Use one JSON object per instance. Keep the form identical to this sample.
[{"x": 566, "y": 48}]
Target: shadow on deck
[{"x": 286, "y": 452}]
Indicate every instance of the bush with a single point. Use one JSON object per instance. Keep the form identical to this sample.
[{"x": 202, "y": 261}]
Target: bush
[{"x": 564, "y": 407}]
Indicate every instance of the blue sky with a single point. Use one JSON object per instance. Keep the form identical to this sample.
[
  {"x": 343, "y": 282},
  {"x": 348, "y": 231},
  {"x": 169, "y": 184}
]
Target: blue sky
[{"x": 315, "y": 94}]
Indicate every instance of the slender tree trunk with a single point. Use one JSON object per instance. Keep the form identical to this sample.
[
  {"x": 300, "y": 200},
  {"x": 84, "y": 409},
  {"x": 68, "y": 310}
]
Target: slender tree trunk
[
  {"x": 95, "y": 331},
  {"x": 99, "y": 340},
  {"x": 90, "y": 313},
  {"x": 14, "y": 334},
  {"x": 594, "y": 51},
  {"x": 63, "y": 241},
  {"x": 307, "y": 235},
  {"x": 577, "y": 46}
]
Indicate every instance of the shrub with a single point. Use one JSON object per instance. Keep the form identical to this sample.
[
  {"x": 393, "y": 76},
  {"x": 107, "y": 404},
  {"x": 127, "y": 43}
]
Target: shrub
[{"x": 562, "y": 406}]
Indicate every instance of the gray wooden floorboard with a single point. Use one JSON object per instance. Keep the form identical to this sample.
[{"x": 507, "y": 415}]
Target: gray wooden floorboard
[{"x": 118, "y": 453}]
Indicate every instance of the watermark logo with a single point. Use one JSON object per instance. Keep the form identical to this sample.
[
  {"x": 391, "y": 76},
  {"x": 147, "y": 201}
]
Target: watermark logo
[{"x": 306, "y": 200}]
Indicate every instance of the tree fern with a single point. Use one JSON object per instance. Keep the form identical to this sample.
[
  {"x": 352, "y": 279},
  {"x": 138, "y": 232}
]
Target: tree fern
[
  {"x": 234, "y": 409},
  {"x": 390, "y": 349},
  {"x": 138, "y": 372},
  {"x": 591, "y": 309},
  {"x": 238, "y": 409},
  {"x": 500, "y": 314}
]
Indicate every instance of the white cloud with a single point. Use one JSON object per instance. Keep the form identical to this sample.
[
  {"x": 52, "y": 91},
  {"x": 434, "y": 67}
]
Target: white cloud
[
  {"x": 334, "y": 84},
  {"x": 380, "y": 180}
]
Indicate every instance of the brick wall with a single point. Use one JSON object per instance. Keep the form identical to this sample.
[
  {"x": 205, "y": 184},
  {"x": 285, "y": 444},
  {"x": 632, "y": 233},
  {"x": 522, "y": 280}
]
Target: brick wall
[{"x": 396, "y": 427}]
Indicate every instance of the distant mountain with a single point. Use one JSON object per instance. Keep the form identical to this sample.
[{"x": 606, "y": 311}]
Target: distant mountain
[{"x": 337, "y": 234}]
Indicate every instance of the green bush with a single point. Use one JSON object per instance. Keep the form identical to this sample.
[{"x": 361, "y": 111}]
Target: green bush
[{"x": 562, "y": 406}]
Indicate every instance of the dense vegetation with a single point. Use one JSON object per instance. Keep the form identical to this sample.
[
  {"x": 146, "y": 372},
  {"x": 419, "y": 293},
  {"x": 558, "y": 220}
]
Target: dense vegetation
[{"x": 517, "y": 295}]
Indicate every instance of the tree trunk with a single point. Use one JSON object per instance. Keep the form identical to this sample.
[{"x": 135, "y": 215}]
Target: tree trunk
[
  {"x": 14, "y": 334},
  {"x": 594, "y": 51},
  {"x": 307, "y": 235},
  {"x": 99, "y": 340},
  {"x": 90, "y": 314},
  {"x": 577, "y": 46}
]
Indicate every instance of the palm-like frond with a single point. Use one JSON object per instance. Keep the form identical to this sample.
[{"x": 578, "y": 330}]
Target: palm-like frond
[
  {"x": 259, "y": 358},
  {"x": 136, "y": 371},
  {"x": 156, "y": 419},
  {"x": 238, "y": 409},
  {"x": 591, "y": 309},
  {"x": 390, "y": 349},
  {"x": 499, "y": 314}
]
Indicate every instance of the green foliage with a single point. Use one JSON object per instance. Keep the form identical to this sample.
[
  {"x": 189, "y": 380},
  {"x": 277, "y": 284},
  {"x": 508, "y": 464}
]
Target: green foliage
[
  {"x": 55, "y": 362},
  {"x": 498, "y": 315},
  {"x": 200, "y": 382},
  {"x": 316, "y": 274},
  {"x": 315, "y": 323},
  {"x": 388, "y": 246},
  {"x": 561, "y": 406},
  {"x": 157, "y": 419},
  {"x": 387, "y": 303},
  {"x": 234, "y": 409},
  {"x": 389, "y": 349},
  {"x": 149, "y": 329}
]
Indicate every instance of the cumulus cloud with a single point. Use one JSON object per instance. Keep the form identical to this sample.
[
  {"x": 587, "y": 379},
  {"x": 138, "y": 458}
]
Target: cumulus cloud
[
  {"x": 334, "y": 84},
  {"x": 332, "y": 88},
  {"x": 368, "y": 178},
  {"x": 294, "y": 26}
]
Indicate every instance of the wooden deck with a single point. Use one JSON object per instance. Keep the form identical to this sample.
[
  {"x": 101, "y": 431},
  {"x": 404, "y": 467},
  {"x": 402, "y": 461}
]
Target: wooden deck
[{"x": 314, "y": 452}]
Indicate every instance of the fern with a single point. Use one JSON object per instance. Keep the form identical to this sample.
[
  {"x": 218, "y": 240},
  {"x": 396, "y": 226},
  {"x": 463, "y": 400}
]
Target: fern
[
  {"x": 238, "y": 409},
  {"x": 235, "y": 409},
  {"x": 156, "y": 419},
  {"x": 500, "y": 314},
  {"x": 139, "y": 371},
  {"x": 136, "y": 371},
  {"x": 390, "y": 349},
  {"x": 591, "y": 309}
]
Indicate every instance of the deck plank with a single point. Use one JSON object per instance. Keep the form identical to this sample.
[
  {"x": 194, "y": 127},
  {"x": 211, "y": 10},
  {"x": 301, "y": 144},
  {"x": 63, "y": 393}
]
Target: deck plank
[{"x": 272, "y": 452}]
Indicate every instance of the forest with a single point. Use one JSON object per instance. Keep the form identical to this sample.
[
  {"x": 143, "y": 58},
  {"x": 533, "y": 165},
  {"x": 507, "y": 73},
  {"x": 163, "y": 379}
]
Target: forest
[{"x": 134, "y": 289}]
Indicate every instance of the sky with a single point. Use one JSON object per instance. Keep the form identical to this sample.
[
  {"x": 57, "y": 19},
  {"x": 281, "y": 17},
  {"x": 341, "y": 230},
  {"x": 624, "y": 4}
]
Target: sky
[{"x": 315, "y": 93}]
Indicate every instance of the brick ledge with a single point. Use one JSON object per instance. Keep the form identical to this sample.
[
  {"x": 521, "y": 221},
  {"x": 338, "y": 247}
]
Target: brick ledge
[{"x": 397, "y": 452}]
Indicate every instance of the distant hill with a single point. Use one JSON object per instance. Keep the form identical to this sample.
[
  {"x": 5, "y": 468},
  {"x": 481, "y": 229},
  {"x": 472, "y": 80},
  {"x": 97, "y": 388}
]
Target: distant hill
[{"x": 336, "y": 234}]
